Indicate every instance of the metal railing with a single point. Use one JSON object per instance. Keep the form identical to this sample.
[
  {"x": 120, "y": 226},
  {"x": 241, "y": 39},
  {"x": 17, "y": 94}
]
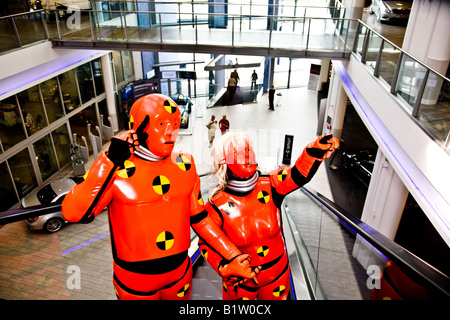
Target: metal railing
[
  {"x": 423, "y": 91},
  {"x": 344, "y": 258}
]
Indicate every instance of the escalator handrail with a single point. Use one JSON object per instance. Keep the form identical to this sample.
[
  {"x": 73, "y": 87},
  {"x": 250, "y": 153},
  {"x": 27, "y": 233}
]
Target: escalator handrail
[
  {"x": 389, "y": 248},
  {"x": 28, "y": 212}
]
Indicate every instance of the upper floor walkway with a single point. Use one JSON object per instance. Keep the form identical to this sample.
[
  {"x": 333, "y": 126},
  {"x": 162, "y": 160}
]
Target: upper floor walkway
[{"x": 296, "y": 32}]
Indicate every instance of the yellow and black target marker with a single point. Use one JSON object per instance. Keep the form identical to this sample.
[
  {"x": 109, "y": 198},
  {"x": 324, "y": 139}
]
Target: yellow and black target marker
[
  {"x": 183, "y": 162},
  {"x": 183, "y": 291},
  {"x": 262, "y": 251},
  {"x": 86, "y": 175},
  {"x": 165, "y": 240},
  {"x": 204, "y": 253},
  {"x": 127, "y": 170},
  {"x": 263, "y": 196},
  {"x": 229, "y": 208},
  {"x": 161, "y": 185},
  {"x": 131, "y": 123},
  {"x": 170, "y": 106},
  {"x": 200, "y": 199},
  {"x": 278, "y": 291},
  {"x": 282, "y": 175}
]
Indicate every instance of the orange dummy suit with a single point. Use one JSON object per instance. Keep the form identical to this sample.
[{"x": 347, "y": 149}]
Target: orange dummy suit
[
  {"x": 153, "y": 197},
  {"x": 247, "y": 209}
]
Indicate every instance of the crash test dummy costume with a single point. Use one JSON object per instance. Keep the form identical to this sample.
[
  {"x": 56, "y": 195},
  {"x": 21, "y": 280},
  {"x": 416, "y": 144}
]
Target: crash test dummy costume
[
  {"x": 247, "y": 208},
  {"x": 153, "y": 197}
]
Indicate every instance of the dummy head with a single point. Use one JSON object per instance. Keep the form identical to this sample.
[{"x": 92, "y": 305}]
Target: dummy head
[
  {"x": 233, "y": 157},
  {"x": 164, "y": 121}
]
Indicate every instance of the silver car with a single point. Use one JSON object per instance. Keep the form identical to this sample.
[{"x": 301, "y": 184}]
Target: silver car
[
  {"x": 54, "y": 192},
  {"x": 386, "y": 10}
]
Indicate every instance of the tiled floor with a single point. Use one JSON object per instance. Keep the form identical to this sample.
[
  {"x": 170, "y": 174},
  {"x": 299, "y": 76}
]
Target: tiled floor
[{"x": 76, "y": 262}]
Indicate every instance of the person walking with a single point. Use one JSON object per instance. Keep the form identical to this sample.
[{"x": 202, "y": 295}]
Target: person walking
[
  {"x": 212, "y": 129},
  {"x": 254, "y": 78},
  {"x": 224, "y": 124},
  {"x": 271, "y": 97}
]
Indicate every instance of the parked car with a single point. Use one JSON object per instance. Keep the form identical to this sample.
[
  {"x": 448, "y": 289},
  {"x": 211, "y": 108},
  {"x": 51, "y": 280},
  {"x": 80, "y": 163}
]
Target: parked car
[
  {"x": 391, "y": 10},
  {"x": 185, "y": 105},
  {"x": 54, "y": 192},
  {"x": 359, "y": 162},
  {"x": 182, "y": 101}
]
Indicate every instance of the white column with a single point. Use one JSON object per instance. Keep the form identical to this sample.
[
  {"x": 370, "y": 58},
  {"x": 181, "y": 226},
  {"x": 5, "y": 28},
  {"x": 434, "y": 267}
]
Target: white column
[
  {"x": 336, "y": 107},
  {"x": 382, "y": 211},
  {"x": 324, "y": 71},
  {"x": 108, "y": 79},
  {"x": 385, "y": 199},
  {"x": 137, "y": 64},
  {"x": 427, "y": 39},
  {"x": 353, "y": 8}
]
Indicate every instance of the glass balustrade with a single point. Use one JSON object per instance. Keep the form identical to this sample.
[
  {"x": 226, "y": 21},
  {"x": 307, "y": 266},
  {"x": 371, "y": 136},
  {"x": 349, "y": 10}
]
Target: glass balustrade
[{"x": 344, "y": 259}]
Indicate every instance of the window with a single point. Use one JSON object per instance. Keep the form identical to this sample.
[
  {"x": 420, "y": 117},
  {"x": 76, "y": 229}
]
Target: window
[
  {"x": 11, "y": 126},
  {"x": 32, "y": 110},
  {"x": 45, "y": 157},
  {"x": 52, "y": 99},
  {"x": 98, "y": 76},
  {"x": 22, "y": 171},
  {"x": 69, "y": 90},
  {"x": 8, "y": 196},
  {"x": 62, "y": 142},
  {"x": 85, "y": 83}
]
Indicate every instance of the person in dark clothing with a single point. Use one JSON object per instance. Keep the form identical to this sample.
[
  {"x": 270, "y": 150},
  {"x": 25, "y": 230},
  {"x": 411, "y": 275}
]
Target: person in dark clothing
[
  {"x": 254, "y": 78},
  {"x": 271, "y": 97}
]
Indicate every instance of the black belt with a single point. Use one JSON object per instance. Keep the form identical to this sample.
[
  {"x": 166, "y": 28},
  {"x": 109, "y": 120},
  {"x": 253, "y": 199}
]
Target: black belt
[{"x": 149, "y": 293}]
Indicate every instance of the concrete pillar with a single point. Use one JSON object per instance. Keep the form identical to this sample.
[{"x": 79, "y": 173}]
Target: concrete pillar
[
  {"x": 324, "y": 71},
  {"x": 382, "y": 211},
  {"x": 427, "y": 39},
  {"x": 385, "y": 199},
  {"x": 354, "y": 8},
  {"x": 336, "y": 107},
  {"x": 110, "y": 85}
]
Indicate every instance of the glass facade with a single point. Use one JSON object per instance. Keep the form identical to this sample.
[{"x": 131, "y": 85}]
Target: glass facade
[{"x": 37, "y": 125}]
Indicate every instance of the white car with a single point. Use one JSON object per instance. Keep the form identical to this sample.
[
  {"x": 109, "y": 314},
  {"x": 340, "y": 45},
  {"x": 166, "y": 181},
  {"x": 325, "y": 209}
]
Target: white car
[
  {"x": 387, "y": 10},
  {"x": 54, "y": 192}
]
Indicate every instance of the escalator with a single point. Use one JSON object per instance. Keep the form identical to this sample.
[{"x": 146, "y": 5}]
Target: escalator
[{"x": 333, "y": 256}]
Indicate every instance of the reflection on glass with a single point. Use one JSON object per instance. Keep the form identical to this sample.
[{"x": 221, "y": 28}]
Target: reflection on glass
[
  {"x": 85, "y": 83},
  {"x": 11, "y": 126},
  {"x": 52, "y": 99},
  {"x": 79, "y": 122},
  {"x": 45, "y": 157},
  {"x": 388, "y": 62},
  {"x": 22, "y": 172},
  {"x": 31, "y": 106},
  {"x": 69, "y": 90},
  {"x": 127, "y": 62},
  {"x": 8, "y": 196},
  {"x": 410, "y": 79},
  {"x": 62, "y": 142},
  {"x": 118, "y": 66},
  {"x": 372, "y": 49},
  {"x": 434, "y": 109},
  {"x": 103, "y": 110},
  {"x": 8, "y": 39},
  {"x": 98, "y": 76}
]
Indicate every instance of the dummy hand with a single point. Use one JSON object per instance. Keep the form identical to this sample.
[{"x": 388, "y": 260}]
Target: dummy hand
[
  {"x": 238, "y": 269},
  {"x": 126, "y": 143},
  {"x": 323, "y": 147}
]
